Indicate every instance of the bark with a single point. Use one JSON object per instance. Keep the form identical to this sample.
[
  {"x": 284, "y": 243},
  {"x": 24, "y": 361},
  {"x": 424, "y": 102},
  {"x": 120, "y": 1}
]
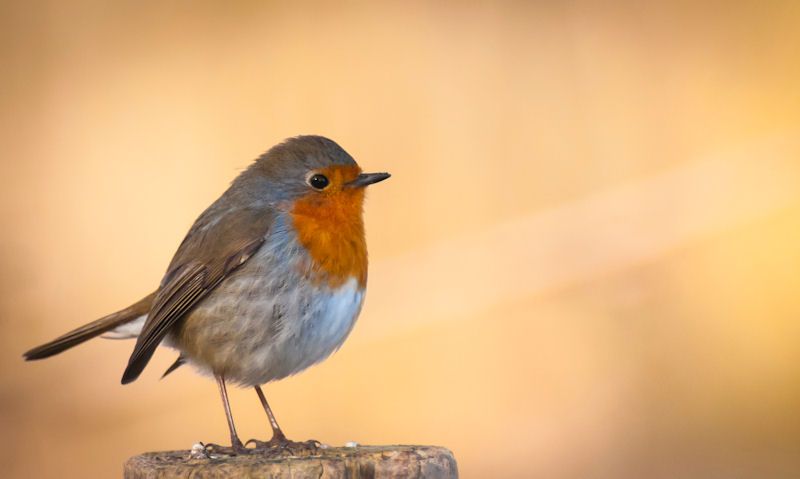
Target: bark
[{"x": 350, "y": 462}]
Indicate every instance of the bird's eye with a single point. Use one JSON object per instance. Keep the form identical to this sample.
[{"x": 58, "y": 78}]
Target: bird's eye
[{"x": 318, "y": 182}]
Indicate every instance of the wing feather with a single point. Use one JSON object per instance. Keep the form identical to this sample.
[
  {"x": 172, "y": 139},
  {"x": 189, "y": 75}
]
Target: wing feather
[{"x": 207, "y": 256}]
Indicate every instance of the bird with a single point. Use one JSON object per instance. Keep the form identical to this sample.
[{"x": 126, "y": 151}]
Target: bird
[{"x": 269, "y": 280}]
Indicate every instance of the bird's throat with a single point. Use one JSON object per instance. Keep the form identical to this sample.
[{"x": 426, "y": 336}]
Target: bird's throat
[{"x": 331, "y": 229}]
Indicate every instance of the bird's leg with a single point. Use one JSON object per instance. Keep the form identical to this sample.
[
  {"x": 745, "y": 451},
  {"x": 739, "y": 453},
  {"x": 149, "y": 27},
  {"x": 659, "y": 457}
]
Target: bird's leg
[
  {"x": 277, "y": 434},
  {"x": 279, "y": 443},
  {"x": 236, "y": 444}
]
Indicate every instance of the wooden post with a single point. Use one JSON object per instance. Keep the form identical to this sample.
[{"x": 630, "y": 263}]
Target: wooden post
[{"x": 360, "y": 462}]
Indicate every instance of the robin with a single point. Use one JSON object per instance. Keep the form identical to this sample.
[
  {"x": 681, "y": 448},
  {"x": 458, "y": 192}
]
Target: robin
[{"x": 268, "y": 281}]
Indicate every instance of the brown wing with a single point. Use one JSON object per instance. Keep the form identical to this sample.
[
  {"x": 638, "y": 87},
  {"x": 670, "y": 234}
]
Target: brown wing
[{"x": 220, "y": 241}]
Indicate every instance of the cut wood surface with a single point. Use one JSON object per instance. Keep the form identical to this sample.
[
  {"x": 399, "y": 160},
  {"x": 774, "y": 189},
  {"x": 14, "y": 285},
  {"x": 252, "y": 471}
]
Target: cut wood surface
[{"x": 334, "y": 462}]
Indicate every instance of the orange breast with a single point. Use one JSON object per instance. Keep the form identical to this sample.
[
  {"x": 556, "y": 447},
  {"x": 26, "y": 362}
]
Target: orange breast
[{"x": 330, "y": 227}]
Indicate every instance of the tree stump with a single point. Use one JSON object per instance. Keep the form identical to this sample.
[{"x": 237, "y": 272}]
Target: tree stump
[{"x": 359, "y": 462}]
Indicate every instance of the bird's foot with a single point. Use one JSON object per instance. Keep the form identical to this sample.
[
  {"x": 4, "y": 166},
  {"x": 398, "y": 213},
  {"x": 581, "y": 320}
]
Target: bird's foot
[
  {"x": 235, "y": 449},
  {"x": 280, "y": 446}
]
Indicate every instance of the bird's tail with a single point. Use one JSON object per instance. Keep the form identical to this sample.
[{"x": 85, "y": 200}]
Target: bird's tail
[{"x": 95, "y": 328}]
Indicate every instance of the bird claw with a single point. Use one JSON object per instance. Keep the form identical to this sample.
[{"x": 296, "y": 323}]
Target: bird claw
[
  {"x": 233, "y": 450},
  {"x": 285, "y": 447}
]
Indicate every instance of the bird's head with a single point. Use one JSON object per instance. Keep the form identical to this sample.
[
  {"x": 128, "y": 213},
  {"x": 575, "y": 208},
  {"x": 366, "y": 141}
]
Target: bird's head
[{"x": 321, "y": 188}]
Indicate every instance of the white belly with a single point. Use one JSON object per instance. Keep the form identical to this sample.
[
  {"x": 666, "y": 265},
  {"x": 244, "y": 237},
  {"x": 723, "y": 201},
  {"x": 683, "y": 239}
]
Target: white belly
[
  {"x": 252, "y": 334},
  {"x": 302, "y": 341}
]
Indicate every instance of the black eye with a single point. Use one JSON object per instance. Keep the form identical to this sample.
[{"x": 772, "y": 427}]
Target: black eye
[{"x": 318, "y": 181}]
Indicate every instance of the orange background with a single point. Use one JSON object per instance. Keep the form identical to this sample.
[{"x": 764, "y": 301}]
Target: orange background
[{"x": 586, "y": 264}]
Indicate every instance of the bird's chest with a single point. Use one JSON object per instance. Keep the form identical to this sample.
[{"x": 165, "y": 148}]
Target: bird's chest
[
  {"x": 272, "y": 318},
  {"x": 324, "y": 320},
  {"x": 331, "y": 234},
  {"x": 282, "y": 294},
  {"x": 284, "y": 334}
]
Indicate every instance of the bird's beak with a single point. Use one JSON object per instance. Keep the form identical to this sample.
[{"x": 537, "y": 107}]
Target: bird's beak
[{"x": 365, "y": 179}]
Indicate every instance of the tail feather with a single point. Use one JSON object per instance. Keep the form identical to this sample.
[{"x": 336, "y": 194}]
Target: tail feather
[
  {"x": 178, "y": 363},
  {"x": 89, "y": 331}
]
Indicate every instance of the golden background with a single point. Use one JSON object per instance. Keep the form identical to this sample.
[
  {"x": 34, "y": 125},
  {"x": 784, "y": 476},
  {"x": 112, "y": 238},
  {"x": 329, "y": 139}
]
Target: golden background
[{"x": 586, "y": 263}]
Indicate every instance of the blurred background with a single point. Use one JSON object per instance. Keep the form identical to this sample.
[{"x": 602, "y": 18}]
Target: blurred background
[{"x": 586, "y": 263}]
